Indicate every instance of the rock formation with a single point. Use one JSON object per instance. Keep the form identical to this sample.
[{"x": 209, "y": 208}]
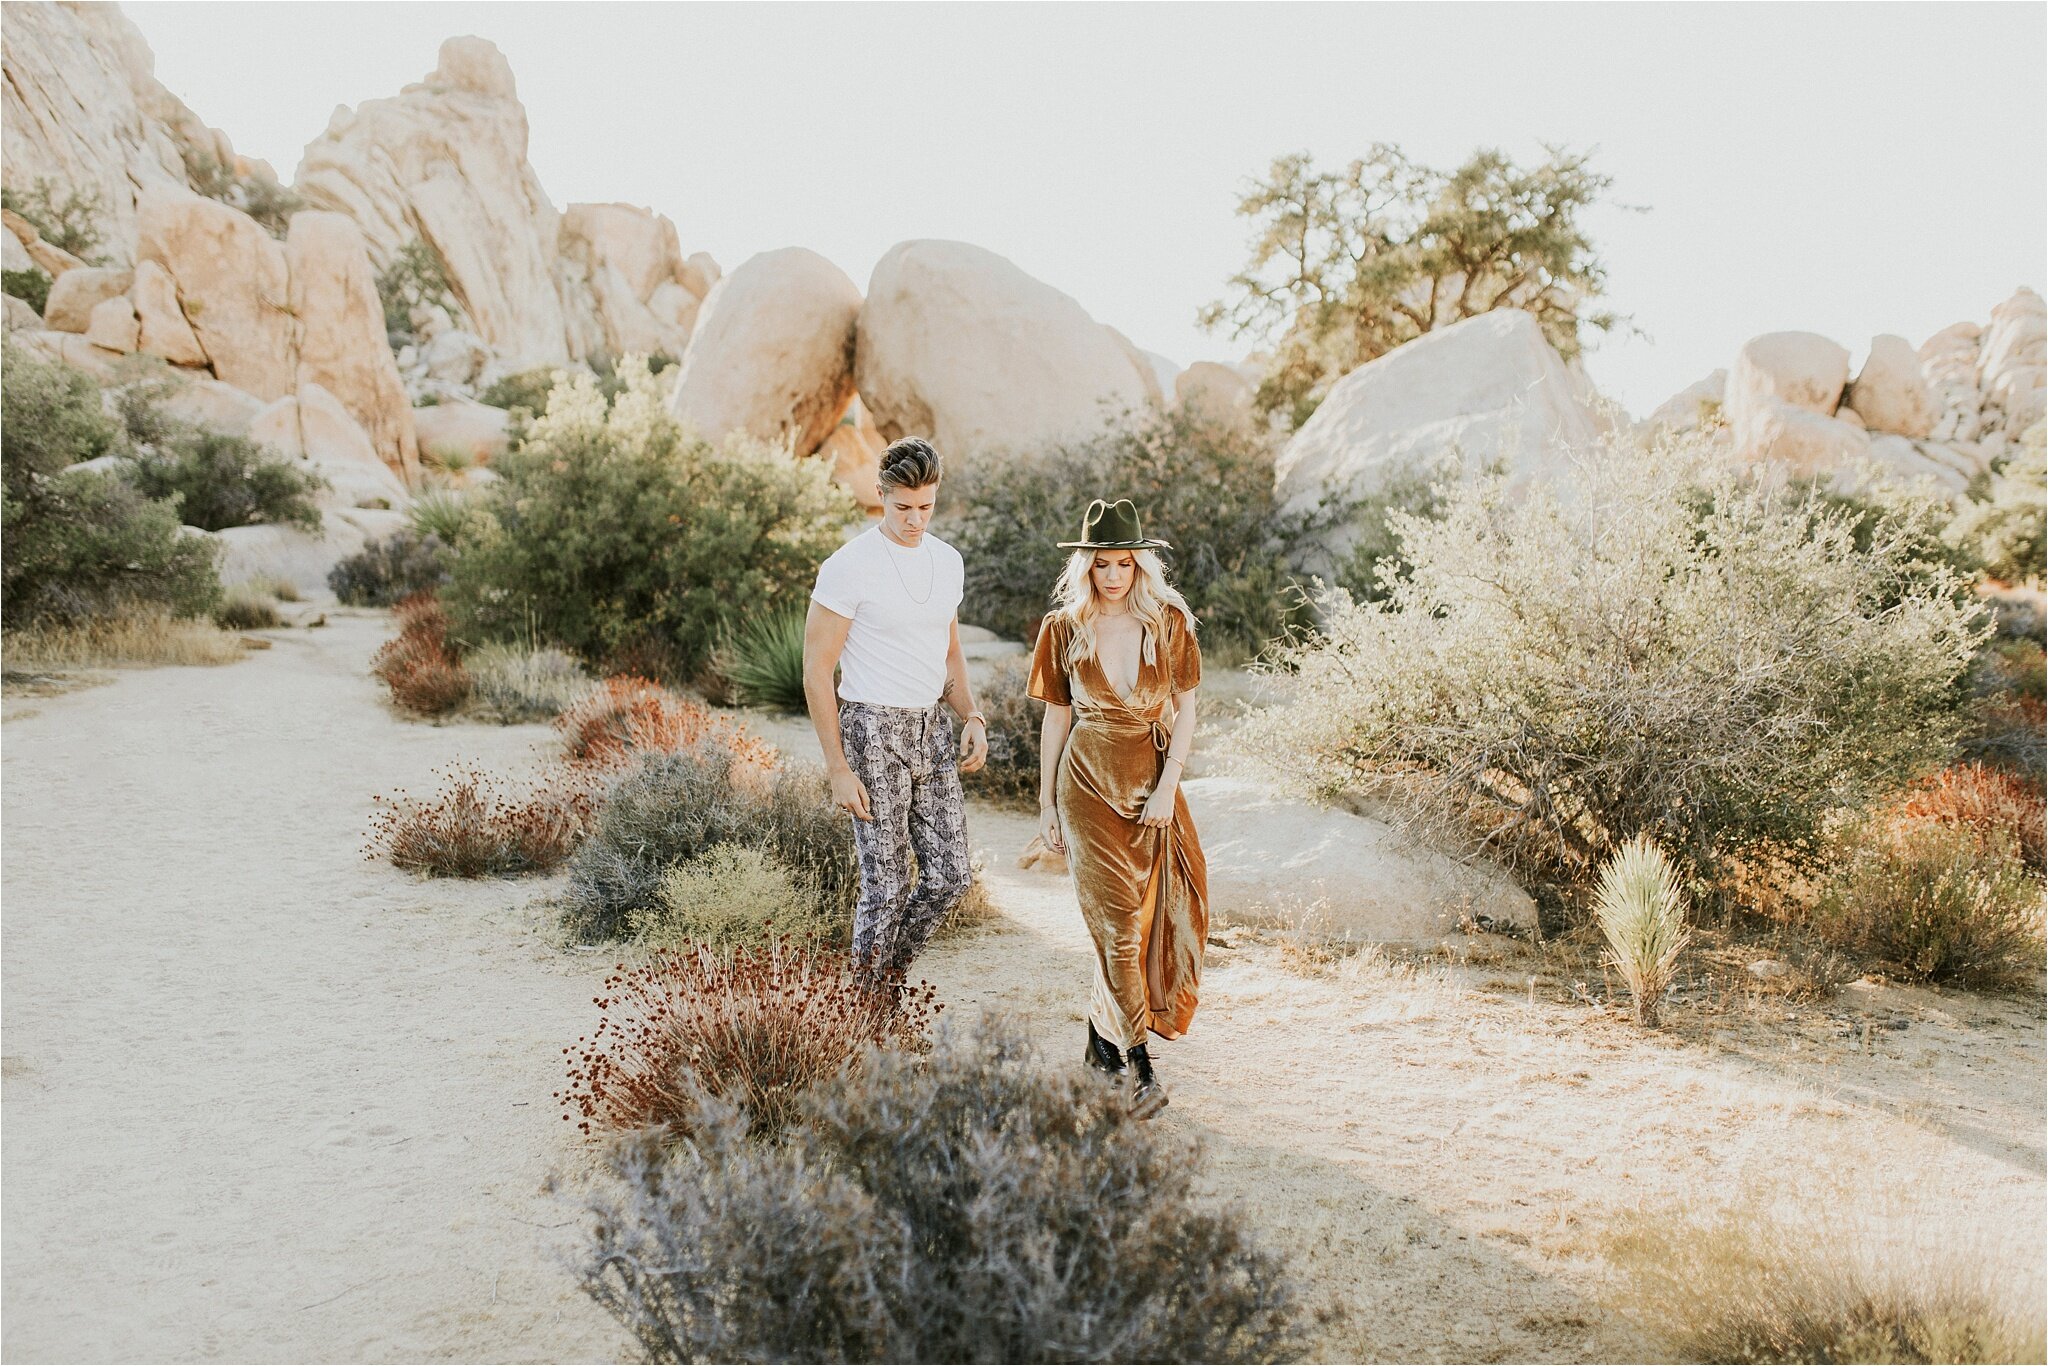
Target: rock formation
[
  {"x": 1211, "y": 392},
  {"x": 83, "y": 110},
  {"x": 1271, "y": 858},
  {"x": 958, "y": 344},
  {"x": 1945, "y": 412},
  {"x": 772, "y": 354},
  {"x": 644, "y": 295},
  {"x": 1489, "y": 389},
  {"x": 444, "y": 163}
]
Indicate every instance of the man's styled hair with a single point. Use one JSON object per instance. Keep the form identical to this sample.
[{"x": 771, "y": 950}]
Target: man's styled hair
[{"x": 910, "y": 464}]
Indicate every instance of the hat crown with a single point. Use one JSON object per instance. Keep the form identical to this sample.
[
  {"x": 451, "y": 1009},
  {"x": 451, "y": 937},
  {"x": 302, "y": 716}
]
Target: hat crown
[{"x": 1111, "y": 522}]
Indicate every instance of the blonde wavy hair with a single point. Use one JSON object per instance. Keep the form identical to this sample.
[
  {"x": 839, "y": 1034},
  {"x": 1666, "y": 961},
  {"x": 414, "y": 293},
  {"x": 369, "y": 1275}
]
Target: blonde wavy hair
[{"x": 1073, "y": 599}]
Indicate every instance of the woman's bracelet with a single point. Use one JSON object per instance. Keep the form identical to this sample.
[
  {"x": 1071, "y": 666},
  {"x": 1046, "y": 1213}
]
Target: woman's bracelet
[
  {"x": 1048, "y": 806},
  {"x": 1176, "y": 759}
]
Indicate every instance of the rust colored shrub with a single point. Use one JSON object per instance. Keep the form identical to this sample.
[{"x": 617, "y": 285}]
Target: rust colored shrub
[
  {"x": 1982, "y": 799},
  {"x": 628, "y": 715},
  {"x": 754, "y": 1027},
  {"x": 421, "y": 668},
  {"x": 472, "y": 829}
]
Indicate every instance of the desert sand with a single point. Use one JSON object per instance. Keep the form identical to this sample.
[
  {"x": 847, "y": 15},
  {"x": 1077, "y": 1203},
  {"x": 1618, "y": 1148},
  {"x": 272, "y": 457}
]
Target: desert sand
[{"x": 267, "y": 1099}]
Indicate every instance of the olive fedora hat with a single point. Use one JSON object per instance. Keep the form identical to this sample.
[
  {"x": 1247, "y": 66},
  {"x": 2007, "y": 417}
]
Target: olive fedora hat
[{"x": 1113, "y": 526}]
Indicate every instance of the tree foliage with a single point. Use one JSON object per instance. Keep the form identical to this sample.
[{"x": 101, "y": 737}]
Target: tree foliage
[{"x": 1347, "y": 265}]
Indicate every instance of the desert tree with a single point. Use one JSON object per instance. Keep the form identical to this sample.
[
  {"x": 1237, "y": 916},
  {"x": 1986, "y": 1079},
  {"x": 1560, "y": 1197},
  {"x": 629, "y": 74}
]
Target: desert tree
[{"x": 1347, "y": 265}]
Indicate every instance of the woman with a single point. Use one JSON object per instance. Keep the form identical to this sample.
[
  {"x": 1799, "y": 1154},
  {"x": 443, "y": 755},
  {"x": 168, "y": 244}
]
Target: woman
[{"x": 1117, "y": 666}]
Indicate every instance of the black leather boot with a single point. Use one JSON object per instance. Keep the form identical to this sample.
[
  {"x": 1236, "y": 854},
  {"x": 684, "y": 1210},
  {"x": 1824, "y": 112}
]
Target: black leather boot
[
  {"x": 1150, "y": 1097},
  {"x": 1103, "y": 1055}
]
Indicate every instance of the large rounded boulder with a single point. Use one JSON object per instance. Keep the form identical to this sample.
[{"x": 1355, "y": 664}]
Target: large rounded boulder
[
  {"x": 772, "y": 351},
  {"x": 958, "y": 344},
  {"x": 1490, "y": 389}
]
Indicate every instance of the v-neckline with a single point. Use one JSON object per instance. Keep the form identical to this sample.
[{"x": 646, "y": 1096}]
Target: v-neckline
[{"x": 1126, "y": 700}]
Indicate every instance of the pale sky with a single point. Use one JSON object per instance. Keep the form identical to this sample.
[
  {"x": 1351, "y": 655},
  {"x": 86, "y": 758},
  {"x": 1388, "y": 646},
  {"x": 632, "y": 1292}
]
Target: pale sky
[{"x": 1847, "y": 169}]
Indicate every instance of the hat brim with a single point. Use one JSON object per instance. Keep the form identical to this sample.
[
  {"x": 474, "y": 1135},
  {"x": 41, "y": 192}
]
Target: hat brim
[{"x": 1116, "y": 545}]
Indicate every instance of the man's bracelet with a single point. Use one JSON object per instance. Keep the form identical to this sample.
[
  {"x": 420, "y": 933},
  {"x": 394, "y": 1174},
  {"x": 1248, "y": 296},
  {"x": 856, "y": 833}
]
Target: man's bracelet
[{"x": 976, "y": 716}]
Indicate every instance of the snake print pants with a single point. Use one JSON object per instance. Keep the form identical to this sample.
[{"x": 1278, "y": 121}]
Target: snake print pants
[{"x": 906, "y": 759}]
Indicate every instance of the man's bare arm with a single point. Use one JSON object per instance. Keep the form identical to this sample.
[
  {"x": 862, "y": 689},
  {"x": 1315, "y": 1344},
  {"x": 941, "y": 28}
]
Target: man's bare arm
[
  {"x": 824, "y": 639},
  {"x": 959, "y": 695}
]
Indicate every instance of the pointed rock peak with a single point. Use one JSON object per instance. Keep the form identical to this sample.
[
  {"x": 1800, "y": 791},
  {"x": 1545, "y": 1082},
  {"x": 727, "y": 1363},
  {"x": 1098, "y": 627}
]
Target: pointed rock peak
[{"x": 474, "y": 64}]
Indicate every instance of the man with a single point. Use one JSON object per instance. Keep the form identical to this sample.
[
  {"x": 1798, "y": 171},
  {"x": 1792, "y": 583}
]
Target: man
[{"x": 885, "y": 613}]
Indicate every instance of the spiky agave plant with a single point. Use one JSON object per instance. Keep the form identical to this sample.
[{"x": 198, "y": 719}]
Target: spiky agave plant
[
  {"x": 1642, "y": 913},
  {"x": 440, "y": 512},
  {"x": 764, "y": 661}
]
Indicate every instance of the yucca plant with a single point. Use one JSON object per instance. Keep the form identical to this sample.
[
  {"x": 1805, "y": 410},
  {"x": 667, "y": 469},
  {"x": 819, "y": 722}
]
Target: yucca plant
[
  {"x": 1642, "y": 913},
  {"x": 764, "y": 661},
  {"x": 440, "y": 512}
]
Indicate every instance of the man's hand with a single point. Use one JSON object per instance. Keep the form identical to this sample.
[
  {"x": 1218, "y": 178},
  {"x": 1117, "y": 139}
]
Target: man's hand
[
  {"x": 973, "y": 746},
  {"x": 849, "y": 794}
]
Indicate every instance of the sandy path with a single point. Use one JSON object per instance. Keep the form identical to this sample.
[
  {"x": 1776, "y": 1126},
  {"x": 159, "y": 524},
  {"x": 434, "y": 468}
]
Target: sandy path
[{"x": 266, "y": 1100}]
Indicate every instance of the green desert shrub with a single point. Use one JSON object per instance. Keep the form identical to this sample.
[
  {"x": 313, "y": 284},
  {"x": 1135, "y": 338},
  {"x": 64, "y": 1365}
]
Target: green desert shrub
[
  {"x": 732, "y": 895},
  {"x": 66, "y": 219},
  {"x": 619, "y": 537},
  {"x": 1207, "y": 489},
  {"x": 415, "y": 278},
  {"x": 217, "y": 481},
  {"x": 1656, "y": 644},
  {"x": 79, "y": 544},
  {"x": 969, "y": 1206},
  {"x": 387, "y": 571},
  {"x": 1011, "y": 773},
  {"x": 1641, "y": 913},
  {"x": 527, "y": 389},
  {"x": 514, "y": 683},
  {"x": 31, "y": 286},
  {"x": 260, "y": 196},
  {"x": 676, "y": 807},
  {"x": 1937, "y": 902},
  {"x": 2007, "y": 529},
  {"x": 762, "y": 661}
]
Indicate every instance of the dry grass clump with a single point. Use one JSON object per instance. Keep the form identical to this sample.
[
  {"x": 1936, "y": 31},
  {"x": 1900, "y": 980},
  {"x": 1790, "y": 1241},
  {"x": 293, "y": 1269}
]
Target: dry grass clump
[
  {"x": 732, "y": 895},
  {"x": 1937, "y": 902},
  {"x": 130, "y": 639},
  {"x": 245, "y": 607},
  {"x": 754, "y": 1027},
  {"x": 470, "y": 828},
  {"x": 627, "y": 715},
  {"x": 1987, "y": 800},
  {"x": 421, "y": 668},
  {"x": 1641, "y": 914},
  {"x": 512, "y": 683},
  {"x": 969, "y": 1206},
  {"x": 1744, "y": 1284}
]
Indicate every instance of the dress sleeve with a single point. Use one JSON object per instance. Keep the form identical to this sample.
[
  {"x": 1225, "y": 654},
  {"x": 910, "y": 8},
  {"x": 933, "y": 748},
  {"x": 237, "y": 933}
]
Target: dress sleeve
[
  {"x": 1048, "y": 665},
  {"x": 1183, "y": 654}
]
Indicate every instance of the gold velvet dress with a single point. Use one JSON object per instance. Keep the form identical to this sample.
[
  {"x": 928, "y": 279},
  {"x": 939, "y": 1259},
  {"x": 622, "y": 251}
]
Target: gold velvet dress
[{"x": 1144, "y": 892}]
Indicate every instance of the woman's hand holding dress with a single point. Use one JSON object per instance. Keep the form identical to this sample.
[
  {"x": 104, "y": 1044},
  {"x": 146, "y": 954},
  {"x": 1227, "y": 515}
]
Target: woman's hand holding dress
[{"x": 1159, "y": 806}]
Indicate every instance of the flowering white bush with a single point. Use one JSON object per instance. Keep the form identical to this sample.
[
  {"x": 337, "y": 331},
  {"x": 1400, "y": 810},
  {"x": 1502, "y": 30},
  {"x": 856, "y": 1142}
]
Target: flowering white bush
[{"x": 1653, "y": 643}]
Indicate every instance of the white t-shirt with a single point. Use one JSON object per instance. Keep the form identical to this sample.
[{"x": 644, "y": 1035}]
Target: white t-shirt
[{"x": 895, "y": 652}]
